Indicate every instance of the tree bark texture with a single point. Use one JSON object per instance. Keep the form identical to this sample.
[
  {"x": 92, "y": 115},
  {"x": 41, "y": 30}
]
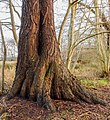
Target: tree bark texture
[{"x": 40, "y": 73}]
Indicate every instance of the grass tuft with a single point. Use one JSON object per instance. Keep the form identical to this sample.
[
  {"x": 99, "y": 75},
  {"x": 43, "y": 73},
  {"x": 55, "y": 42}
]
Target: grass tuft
[{"x": 95, "y": 83}]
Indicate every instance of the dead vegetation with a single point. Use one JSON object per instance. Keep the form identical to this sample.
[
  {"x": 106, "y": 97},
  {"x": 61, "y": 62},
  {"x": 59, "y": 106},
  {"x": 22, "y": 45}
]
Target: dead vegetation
[{"x": 19, "y": 109}]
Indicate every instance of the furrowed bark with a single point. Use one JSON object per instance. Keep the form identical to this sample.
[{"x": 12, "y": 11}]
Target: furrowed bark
[{"x": 40, "y": 73}]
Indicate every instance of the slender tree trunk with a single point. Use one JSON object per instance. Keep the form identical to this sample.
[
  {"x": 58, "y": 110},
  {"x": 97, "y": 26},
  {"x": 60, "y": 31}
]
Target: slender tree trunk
[
  {"x": 40, "y": 73},
  {"x": 108, "y": 44},
  {"x": 4, "y": 56},
  {"x": 65, "y": 18},
  {"x": 13, "y": 22},
  {"x": 102, "y": 49},
  {"x": 109, "y": 7},
  {"x": 71, "y": 38}
]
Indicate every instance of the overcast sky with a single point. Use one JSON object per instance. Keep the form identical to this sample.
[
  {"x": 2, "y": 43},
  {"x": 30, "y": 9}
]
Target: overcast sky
[{"x": 60, "y": 7}]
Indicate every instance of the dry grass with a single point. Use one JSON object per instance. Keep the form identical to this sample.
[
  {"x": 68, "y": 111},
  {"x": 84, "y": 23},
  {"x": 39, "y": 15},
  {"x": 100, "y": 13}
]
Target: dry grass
[
  {"x": 88, "y": 74},
  {"x": 87, "y": 70},
  {"x": 9, "y": 73},
  {"x": 88, "y": 67}
]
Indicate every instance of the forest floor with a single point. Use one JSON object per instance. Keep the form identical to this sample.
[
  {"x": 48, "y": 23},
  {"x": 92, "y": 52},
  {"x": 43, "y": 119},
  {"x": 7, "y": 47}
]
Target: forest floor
[{"x": 20, "y": 109}]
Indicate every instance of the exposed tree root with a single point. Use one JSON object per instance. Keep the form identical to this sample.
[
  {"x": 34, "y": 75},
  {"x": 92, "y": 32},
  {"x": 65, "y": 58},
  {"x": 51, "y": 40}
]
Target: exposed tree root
[
  {"x": 69, "y": 88},
  {"x": 52, "y": 81}
]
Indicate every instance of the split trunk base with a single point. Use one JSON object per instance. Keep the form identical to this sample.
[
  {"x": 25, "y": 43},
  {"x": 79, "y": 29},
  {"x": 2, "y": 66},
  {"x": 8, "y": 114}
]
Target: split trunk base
[{"x": 52, "y": 81}]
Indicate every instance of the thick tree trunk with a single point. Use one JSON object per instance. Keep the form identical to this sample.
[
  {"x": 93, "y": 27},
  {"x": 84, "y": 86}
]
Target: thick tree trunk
[{"x": 40, "y": 73}]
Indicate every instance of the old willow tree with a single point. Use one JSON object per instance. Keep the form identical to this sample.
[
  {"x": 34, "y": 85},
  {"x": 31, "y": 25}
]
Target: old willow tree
[{"x": 40, "y": 73}]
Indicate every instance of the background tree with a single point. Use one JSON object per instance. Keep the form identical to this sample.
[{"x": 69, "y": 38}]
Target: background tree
[
  {"x": 4, "y": 56},
  {"x": 102, "y": 29},
  {"x": 71, "y": 35},
  {"x": 11, "y": 6}
]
